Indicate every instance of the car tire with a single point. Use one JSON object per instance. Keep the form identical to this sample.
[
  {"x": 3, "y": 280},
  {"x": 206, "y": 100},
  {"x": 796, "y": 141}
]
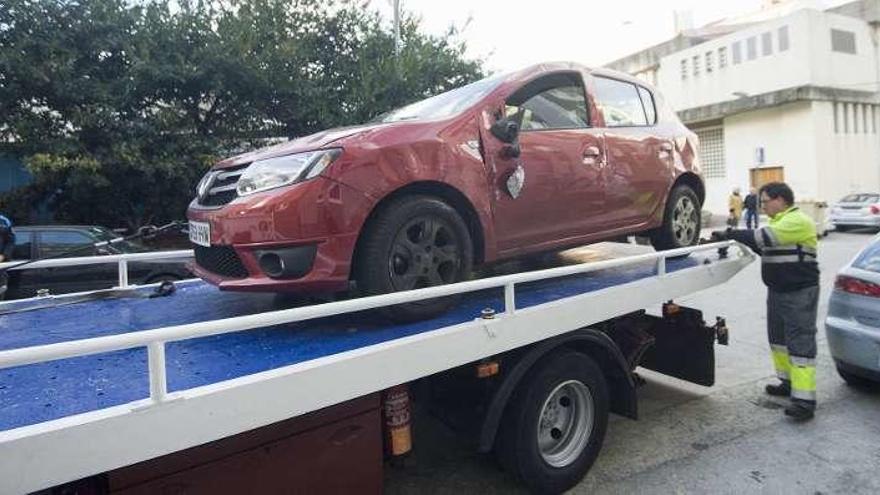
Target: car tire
[
  {"x": 681, "y": 221},
  {"x": 411, "y": 243},
  {"x": 162, "y": 278},
  {"x": 554, "y": 425},
  {"x": 857, "y": 381}
]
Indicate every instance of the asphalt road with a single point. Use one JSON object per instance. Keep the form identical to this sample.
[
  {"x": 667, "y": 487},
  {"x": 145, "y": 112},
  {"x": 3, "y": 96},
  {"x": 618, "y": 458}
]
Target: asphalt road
[{"x": 730, "y": 438}]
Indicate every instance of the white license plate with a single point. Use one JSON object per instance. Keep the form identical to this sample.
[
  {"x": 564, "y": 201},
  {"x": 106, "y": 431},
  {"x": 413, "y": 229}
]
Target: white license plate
[{"x": 200, "y": 233}]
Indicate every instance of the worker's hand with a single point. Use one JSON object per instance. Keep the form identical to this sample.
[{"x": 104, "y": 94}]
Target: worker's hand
[
  {"x": 2, "y": 258},
  {"x": 718, "y": 235}
]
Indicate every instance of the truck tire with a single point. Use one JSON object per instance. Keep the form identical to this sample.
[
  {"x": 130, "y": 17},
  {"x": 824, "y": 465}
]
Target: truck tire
[
  {"x": 681, "y": 221},
  {"x": 555, "y": 423},
  {"x": 412, "y": 243}
]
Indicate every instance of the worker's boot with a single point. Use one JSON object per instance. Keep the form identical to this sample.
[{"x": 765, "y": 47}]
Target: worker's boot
[
  {"x": 800, "y": 410},
  {"x": 781, "y": 389}
]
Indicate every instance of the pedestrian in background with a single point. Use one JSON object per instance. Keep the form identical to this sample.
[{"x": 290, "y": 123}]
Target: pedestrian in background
[
  {"x": 735, "y": 205},
  {"x": 7, "y": 243},
  {"x": 751, "y": 207},
  {"x": 790, "y": 271}
]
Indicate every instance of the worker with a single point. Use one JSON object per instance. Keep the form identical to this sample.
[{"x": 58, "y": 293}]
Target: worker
[
  {"x": 7, "y": 243},
  {"x": 790, "y": 270}
]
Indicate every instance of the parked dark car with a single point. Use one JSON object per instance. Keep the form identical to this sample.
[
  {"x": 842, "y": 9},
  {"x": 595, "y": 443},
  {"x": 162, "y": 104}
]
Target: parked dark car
[
  {"x": 37, "y": 242},
  {"x": 553, "y": 156}
]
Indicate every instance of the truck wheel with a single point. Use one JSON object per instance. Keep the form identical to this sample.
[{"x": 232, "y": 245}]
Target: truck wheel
[
  {"x": 555, "y": 423},
  {"x": 414, "y": 242},
  {"x": 681, "y": 221}
]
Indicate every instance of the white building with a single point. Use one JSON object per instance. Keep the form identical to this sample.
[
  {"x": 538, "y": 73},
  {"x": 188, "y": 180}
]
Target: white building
[{"x": 790, "y": 93}]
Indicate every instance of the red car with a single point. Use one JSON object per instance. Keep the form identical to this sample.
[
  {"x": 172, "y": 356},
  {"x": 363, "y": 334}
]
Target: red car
[{"x": 552, "y": 156}]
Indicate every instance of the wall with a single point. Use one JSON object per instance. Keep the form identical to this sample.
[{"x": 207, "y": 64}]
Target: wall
[
  {"x": 785, "y": 134},
  {"x": 848, "y": 161},
  {"x": 807, "y": 61}
]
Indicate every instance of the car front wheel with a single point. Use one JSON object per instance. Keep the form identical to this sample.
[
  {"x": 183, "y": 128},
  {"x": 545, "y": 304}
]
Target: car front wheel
[{"x": 414, "y": 242}]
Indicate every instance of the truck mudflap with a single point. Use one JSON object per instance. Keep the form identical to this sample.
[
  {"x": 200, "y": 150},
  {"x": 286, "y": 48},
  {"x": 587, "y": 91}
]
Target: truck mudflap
[{"x": 681, "y": 345}]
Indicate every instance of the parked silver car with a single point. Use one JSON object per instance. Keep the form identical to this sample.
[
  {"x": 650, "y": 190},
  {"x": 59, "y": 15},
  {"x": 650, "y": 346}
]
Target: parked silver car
[
  {"x": 856, "y": 210},
  {"x": 853, "y": 322}
]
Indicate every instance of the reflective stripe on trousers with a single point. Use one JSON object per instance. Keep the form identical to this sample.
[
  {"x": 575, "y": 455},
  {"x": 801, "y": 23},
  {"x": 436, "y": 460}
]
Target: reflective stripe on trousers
[
  {"x": 781, "y": 361},
  {"x": 803, "y": 378}
]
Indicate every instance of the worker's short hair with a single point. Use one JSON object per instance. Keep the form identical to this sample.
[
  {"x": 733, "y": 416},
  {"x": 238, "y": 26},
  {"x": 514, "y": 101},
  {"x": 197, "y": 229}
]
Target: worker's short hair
[{"x": 775, "y": 190}]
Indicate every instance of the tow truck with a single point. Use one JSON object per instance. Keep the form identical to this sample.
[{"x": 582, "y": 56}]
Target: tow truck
[{"x": 206, "y": 391}]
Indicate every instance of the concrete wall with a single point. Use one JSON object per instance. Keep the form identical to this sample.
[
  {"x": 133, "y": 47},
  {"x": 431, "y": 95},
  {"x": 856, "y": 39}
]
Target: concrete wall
[
  {"x": 808, "y": 60},
  {"x": 846, "y": 161},
  {"x": 784, "y": 134}
]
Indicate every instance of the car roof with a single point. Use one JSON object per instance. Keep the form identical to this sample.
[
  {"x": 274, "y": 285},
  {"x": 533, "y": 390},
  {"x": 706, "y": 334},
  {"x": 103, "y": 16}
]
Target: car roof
[{"x": 548, "y": 67}]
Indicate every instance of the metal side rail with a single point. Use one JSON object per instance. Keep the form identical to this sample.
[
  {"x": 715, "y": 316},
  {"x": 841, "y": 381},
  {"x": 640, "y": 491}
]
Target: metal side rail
[{"x": 309, "y": 358}]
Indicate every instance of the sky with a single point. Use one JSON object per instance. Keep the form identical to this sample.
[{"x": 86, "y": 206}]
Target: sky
[{"x": 509, "y": 35}]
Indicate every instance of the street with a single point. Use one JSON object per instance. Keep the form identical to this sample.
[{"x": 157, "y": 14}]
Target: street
[{"x": 730, "y": 438}]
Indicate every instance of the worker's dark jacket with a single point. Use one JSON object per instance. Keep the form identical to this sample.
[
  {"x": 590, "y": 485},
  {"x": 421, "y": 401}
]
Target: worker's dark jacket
[
  {"x": 751, "y": 202},
  {"x": 788, "y": 250}
]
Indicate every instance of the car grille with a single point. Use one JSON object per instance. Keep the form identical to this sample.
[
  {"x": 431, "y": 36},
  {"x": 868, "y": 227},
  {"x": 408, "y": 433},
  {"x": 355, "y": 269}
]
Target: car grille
[
  {"x": 221, "y": 190},
  {"x": 221, "y": 260}
]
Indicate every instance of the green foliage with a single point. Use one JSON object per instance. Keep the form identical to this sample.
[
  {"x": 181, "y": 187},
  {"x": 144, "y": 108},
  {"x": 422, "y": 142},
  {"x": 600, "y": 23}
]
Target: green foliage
[{"x": 121, "y": 106}]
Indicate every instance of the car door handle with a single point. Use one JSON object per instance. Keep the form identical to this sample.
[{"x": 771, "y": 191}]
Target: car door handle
[{"x": 592, "y": 152}]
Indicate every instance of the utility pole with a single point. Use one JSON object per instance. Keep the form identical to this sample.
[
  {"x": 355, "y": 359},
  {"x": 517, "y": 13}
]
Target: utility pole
[{"x": 396, "y": 28}]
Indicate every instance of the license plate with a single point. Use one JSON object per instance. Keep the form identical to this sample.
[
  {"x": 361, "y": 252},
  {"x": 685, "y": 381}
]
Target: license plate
[{"x": 200, "y": 233}]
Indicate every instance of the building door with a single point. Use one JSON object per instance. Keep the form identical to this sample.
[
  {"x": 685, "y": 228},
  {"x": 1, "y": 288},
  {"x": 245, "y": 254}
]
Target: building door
[{"x": 763, "y": 175}]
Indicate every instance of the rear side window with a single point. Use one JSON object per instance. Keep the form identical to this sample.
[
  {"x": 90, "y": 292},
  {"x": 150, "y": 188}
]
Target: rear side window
[
  {"x": 869, "y": 259},
  {"x": 23, "y": 243},
  {"x": 58, "y": 242},
  {"x": 620, "y": 103}
]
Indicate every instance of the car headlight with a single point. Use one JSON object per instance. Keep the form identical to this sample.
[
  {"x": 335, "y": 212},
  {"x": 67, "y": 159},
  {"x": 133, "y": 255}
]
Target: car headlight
[{"x": 263, "y": 175}]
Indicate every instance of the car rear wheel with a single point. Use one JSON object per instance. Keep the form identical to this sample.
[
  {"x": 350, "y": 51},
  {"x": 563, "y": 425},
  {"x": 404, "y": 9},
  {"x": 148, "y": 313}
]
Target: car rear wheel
[
  {"x": 681, "y": 221},
  {"x": 554, "y": 425},
  {"x": 412, "y": 243}
]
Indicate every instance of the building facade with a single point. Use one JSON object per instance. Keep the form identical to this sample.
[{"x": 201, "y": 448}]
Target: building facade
[{"x": 790, "y": 93}]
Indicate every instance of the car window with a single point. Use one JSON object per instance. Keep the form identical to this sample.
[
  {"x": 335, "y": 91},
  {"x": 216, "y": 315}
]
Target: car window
[
  {"x": 555, "y": 101},
  {"x": 869, "y": 258},
  {"x": 23, "y": 243},
  {"x": 620, "y": 103},
  {"x": 58, "y": 242},
  {"x": 445, "y": 104},
  {"x": 648, "y": 104},
  {"x": 861, "y": 198}
]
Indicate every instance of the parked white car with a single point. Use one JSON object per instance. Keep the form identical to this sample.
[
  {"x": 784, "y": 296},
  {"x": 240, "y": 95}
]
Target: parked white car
[{"x": 856, "y": 210}]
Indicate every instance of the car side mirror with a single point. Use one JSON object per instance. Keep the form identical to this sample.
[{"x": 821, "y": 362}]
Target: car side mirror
[{"x": 506, "y": 130}]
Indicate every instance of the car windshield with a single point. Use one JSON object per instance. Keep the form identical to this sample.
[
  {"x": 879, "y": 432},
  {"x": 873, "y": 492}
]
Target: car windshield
[
  {"x": 861, "y": 198},
  {"x": 445, "y": 104},
  {"x": 105, "y": 234},
  {"x": 869, "y": 258}
]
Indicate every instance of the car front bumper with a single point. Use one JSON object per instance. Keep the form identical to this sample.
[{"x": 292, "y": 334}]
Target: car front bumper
[{"x": 312, "y": 227}]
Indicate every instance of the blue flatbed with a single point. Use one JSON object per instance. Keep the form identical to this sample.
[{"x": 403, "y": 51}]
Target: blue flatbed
[{"x": 52, "y": 390}]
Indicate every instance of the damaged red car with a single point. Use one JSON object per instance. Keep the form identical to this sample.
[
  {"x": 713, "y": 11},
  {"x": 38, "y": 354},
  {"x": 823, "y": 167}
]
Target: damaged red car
[{"x": 549, "y": 157}]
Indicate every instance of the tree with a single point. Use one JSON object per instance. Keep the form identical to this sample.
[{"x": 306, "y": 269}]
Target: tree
[{"x": 119, "y": 108}]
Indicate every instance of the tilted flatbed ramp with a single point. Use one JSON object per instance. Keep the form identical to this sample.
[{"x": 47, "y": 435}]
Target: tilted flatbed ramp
[{"x": 81, "y": 394}]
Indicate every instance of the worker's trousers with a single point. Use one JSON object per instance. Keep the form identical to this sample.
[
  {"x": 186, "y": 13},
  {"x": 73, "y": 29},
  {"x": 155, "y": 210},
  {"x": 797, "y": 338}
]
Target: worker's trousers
[{"x": 791, "y": 329}]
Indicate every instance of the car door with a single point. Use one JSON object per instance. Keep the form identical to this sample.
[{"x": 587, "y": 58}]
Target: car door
[
  {"x": 639, "y": 153},
  {"x": 560, "y": 165},
  {"x": 66, "y": 279}
]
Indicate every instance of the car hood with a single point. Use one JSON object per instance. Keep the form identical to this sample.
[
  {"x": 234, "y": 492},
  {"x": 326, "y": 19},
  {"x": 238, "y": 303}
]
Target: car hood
[{"x": 311, "y": 142}]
